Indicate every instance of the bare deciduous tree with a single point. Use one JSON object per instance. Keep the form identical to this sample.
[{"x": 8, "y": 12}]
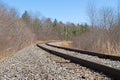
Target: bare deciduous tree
[{"x": 92, "y": 12}]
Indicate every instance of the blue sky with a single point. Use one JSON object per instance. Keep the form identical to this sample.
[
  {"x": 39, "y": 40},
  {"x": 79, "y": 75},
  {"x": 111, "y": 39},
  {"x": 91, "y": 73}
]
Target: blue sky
[{"x": 63, "y": 10}]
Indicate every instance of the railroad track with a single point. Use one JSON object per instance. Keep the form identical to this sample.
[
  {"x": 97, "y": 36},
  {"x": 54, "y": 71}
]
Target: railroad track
[
  {"x": 105, "y": 56},
  {"x": 109, "y": 65}
]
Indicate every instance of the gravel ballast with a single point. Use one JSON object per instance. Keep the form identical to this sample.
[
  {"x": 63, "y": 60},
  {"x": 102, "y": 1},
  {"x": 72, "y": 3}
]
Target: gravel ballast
[{"x": 33, "y": 63}]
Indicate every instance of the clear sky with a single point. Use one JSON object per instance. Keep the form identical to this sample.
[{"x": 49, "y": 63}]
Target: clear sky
[{"x": 63, "y": 10}]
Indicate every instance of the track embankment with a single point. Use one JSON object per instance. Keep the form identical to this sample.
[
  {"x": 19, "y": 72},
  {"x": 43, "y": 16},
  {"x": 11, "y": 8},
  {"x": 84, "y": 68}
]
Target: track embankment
[{"x": 33, "y": 63}]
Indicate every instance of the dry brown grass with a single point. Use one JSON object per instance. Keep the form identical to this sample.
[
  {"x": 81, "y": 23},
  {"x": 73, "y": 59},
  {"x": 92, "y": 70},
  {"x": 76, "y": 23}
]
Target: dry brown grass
[
  {"x": 101, "y": 41},
  {"x": 45, "y": 41},
  {"x": 6, "y": 54},
  {"x": 66, "y": 44}
]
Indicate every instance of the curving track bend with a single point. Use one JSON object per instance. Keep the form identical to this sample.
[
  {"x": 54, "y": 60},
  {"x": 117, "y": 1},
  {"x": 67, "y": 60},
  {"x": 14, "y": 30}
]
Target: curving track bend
[{"x": 108, "y": 66}]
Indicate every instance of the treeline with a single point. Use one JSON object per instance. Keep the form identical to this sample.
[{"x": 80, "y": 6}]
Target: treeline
[{"x": 46, "y": 29}]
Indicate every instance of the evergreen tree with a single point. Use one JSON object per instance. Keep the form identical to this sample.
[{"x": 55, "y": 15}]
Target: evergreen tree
[
  {"x": 26, "y": 17},
  {"x": 55, "y": 22}
]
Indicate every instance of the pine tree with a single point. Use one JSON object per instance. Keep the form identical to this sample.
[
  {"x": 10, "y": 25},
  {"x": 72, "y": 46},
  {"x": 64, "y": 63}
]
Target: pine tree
[{"x": 26, "y": 17}]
